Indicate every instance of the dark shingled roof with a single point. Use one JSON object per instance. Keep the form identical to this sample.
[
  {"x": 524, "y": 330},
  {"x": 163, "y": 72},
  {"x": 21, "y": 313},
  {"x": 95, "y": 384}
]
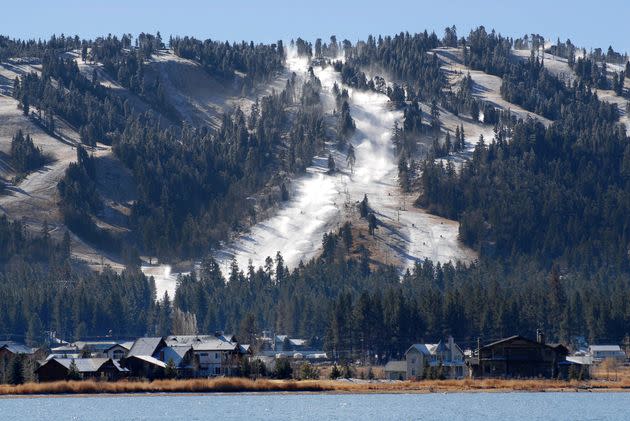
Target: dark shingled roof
[
  {"x": 16, "y": 348},
  {"x": 557, "y": 347},
  {"x": 84, "y": 365}
]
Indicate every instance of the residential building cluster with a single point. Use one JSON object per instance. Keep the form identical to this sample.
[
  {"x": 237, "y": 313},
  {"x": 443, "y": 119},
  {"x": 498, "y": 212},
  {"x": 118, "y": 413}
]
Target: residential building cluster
[{"x": 219, "y": 354}]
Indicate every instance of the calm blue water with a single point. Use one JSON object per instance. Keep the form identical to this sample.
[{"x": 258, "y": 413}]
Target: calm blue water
[{"x": 252, "y": 407}]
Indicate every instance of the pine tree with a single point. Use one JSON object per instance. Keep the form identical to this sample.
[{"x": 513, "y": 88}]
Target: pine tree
[
  {"x": 25, "y": 105},
  {"x": 435, "y": 115},
  {"x": 34, "y": 332},
  {"x": 364, "y": 207},
  {"x": 457, "y": 144},
  {"x": 372, "y": 223},
  {"x": 331, "y": 164},
  {"x": 351, "y": 158},
  {"x": 15, "y": 370},
  {"x": 73, "y": 371},
  {"x": 345, "y": 233},
  {"x": 170, "y": 372},
  {"x": 474, "y": 110},
  {"x": 284, "y": 192}
]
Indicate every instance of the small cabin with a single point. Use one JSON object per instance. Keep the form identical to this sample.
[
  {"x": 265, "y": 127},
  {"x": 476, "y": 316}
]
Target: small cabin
[{"x": 396, "y": 370}]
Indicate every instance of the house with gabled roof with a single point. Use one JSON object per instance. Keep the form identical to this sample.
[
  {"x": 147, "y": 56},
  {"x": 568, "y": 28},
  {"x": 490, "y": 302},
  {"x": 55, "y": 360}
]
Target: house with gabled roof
[
  {"x": 519, "y": 357},
  {"x": 118, "y": 351},
  {"x": 148, "y": 346},
  {"x": 183, "y": 358},
  {"x": 58, "y": 369},
  {"x": 447, "y": 358},
  {"x": 206, "y": 355},
  {"x": 9, "y": 349},
  {"x": 144, "y": 366},
  {"x": 600, "y": 353}
]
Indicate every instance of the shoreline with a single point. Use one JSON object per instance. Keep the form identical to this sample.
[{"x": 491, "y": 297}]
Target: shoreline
[{"x": 232, "y": 386}]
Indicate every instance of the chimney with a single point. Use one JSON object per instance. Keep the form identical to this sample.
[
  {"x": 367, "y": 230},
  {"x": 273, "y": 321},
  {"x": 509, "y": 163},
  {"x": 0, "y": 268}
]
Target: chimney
[
  {"x": 451, "y": 347},
  {"x": 540, "y": 336}
]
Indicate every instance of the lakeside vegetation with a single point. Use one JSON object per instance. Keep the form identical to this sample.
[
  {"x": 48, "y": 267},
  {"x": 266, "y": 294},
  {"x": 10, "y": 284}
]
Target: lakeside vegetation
[{"x": 240, "y": 385}]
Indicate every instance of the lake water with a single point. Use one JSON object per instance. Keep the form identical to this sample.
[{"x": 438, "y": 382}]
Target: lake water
[{"x": 252, "y": 407}]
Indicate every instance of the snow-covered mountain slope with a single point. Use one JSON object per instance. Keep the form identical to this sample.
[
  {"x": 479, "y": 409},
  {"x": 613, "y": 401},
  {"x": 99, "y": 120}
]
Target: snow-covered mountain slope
[
  {"x": 198, "y": 96},
  {"x": 320, "y": 202},
  {"x": 486, "y": 87},
  {"x": 560, "y": 67}
]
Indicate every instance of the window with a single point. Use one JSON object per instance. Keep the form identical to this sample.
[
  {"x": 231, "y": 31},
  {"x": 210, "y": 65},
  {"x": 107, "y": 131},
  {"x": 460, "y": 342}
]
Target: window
[
  {"x": 413, "y": 360},
  {"x": 216, "y": 355},
  {"x": 203, "y": 354},
  {"x": 217, "y": 370}
]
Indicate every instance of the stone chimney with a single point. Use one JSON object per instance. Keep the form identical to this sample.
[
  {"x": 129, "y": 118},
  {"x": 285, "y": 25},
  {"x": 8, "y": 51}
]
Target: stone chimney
[
  {"x": 451, "y": 347},
  {"x": 540, "y": 336}
]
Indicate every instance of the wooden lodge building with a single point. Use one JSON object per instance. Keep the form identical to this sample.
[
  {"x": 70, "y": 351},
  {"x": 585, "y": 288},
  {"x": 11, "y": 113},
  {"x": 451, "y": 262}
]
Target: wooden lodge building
[
  {"x": 56, "y": 369},
  {"x": 519, "y": 357}
]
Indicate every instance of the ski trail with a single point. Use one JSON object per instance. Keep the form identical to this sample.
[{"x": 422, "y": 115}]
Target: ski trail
[
  {"x": 296, "y": 230},
  {"x": 317, "y": 202}
]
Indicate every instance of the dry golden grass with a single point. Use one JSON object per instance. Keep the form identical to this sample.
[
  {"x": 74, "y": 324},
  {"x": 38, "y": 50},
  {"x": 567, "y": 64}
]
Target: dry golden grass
[
  {"x": 613, "y": 372},
  {"x": 232, "y": 385},
  {"x": 158, "y": 386}
]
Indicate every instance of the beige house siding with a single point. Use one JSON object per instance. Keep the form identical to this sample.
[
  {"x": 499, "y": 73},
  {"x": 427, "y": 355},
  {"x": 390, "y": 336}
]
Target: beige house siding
[
  {"x": 415, "y": 364},
  {"x": 448, "y": 355}
]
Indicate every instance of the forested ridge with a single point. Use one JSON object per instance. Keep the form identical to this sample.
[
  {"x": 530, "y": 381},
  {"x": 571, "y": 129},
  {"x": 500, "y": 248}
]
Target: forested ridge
[
  {"x": 556, "y": 192},
  {"x": 547, "y": 207},
  {"x": 193, "y": 181},
  {"x": 259, "y": 62}
]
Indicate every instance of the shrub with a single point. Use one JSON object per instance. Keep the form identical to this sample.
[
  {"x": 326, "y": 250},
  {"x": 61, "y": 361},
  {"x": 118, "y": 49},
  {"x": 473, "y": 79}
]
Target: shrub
[{"x": 283, "y": 369}]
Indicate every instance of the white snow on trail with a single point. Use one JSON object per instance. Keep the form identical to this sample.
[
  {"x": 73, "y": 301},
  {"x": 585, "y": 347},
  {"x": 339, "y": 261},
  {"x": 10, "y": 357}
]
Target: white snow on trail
[
  {"x": 486, "y": 87},
  {"x": 560, "y": 68},
  {"x": 297, "y": 229},
  {"x": 319, "y": 200}
]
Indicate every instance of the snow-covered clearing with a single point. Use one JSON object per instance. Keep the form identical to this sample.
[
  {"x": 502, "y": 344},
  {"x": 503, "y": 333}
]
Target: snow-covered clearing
[
  {"x": 611, "y": 97},
  {"x": 198, "y": 96},
  {"x": 621, "y": 102},
  {"x": 320, "y": 202},
  {"x": 486, "y": 87},
  {"x": 88, "y": 68},
  {"x": 560, "y": 68}
]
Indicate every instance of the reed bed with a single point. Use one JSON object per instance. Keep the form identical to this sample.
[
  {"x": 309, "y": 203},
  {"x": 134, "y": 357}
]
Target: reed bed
[
  {"x": 221, "y": 385},
  {"x": 235, "y": 385}
]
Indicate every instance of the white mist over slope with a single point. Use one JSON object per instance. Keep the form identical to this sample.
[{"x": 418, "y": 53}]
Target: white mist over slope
[{"x": 319, "y": 200}]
